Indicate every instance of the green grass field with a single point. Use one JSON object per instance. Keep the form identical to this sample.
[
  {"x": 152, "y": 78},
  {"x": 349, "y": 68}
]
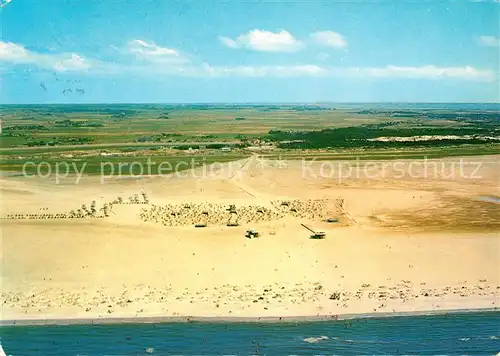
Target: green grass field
[
  {"x": 388, "y": 154},
  {"x": 78, "y": 134},
  {"x": 113, "y": 166},
  {"x": 102, "y": 124}
]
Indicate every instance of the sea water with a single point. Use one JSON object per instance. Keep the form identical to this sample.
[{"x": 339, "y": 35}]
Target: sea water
[
  {"x": 451, "y": 334},
  {"x": 489, "y": 199}
]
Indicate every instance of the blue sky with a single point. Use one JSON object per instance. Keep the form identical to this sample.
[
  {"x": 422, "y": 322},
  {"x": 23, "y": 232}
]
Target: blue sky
[{"x": 248, "y": 51}]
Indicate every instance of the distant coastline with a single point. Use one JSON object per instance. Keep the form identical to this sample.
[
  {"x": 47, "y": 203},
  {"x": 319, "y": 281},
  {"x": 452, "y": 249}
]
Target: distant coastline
[
  {"x": 489, "y": 105},
  {"x": 267, "y": 319}
]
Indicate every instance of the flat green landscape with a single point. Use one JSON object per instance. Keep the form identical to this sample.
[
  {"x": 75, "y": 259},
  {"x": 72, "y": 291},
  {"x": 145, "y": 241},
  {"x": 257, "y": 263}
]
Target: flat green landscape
[
  {"x": 388, "y": 154},
  {"x": 128, "y": 133},
  {"x": 40, "y": 125},
  {"x": 113, "y": 166}
]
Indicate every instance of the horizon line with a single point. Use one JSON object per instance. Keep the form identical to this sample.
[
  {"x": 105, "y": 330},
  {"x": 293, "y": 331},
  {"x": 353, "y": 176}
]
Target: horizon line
[{"x": 255, "y": 103}]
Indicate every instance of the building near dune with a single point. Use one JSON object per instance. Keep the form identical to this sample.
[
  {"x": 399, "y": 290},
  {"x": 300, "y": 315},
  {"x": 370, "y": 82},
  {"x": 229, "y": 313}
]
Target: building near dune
[
  {"x": 225, "y": 149},
  {"x": 260, "y": 148}
]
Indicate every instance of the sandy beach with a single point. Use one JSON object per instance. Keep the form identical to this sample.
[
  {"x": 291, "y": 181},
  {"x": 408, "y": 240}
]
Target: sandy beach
[{"x": 397, "y": 244}]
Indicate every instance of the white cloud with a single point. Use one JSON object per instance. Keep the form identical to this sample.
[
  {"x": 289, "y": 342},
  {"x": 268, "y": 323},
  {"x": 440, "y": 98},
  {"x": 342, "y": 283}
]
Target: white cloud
[
  {"x": 490, "y": 41},
  {"x": 262, "y": 71},
  {"x": 76, "y": 62},
  {"x": 310, "y": 70},
  {"x": 17, "y": 54},
  {"x": 283, "y": 41},
  {"x": 206, "y": 70},
  {"x": 328, "y": 39},
  {"x": 160, "y": 63},
  {"x": 11, "y": 52},
  {"x": 228, "y": 42},
  {"x": 4, "y": 3},
  {"x": 423, "y": 72},
  {"x": 265, "y": 41},
  {"x": 150, "y": 51}
]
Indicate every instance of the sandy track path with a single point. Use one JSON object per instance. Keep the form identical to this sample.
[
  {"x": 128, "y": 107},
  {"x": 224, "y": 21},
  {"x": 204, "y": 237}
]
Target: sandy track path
[{"x": 236, "y": 178}]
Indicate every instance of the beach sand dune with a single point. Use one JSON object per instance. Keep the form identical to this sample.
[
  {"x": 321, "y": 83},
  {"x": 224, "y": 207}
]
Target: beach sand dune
[{"x": 400, "y": 244}]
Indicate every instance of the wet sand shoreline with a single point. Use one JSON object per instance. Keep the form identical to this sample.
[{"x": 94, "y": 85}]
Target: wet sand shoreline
[{"x": 229, "y": 319}]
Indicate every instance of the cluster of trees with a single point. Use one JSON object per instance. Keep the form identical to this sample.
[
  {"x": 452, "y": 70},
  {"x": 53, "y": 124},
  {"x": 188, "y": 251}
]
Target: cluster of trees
[
  {"x": 473, "y": 118},
  {"x": 24, "y": 127},
  {"x": 121, "y": 114},
  {"x": 359, "y": 136},
  {"x": 157, "y": 138},
  {"x": 399, "y": 113},
  {"x": 379, "y": 144},
  {"x": 310, "y": 108},
  {"x": 56, "y": 141},
  {"x": 164, "y": 115},
  {"x": 70, "y": 123},
  {"x": 213, "y": 146}
]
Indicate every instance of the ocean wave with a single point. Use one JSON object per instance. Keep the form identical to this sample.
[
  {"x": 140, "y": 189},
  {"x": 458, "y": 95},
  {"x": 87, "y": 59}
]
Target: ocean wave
[{"x": 313, "y": 340}]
